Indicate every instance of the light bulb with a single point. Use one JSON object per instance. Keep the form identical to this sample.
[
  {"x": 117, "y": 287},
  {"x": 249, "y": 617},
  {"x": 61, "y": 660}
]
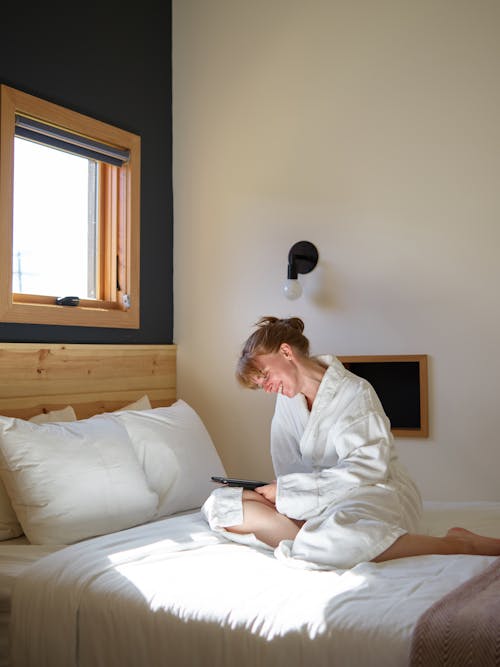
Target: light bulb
[{"x": 292, "y": 289}]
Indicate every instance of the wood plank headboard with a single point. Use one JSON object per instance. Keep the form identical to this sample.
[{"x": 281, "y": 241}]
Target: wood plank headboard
[{"x": 38, "y": 377}]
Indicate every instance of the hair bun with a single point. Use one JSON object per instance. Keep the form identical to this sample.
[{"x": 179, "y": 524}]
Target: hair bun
[
  {"x": 270, "y": 320},
  {"x": 295, "y": 323}
]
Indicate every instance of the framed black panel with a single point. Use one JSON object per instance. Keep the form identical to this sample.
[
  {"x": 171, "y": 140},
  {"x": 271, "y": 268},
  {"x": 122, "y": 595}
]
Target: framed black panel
[{"x": 401, "y": 384}]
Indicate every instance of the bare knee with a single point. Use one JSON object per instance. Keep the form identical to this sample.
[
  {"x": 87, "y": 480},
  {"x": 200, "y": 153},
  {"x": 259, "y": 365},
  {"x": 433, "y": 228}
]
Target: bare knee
[{"x": 265, "y": 522}]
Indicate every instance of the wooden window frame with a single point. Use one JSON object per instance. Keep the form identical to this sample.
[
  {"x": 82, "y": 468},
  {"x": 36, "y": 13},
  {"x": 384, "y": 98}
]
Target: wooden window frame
[
  {"x": 421, "y": 359},
  {"x": 117, "y": 304}
]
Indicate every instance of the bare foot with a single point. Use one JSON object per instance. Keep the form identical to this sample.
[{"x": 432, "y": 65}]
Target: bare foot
[{"x": 474, "y": 543}]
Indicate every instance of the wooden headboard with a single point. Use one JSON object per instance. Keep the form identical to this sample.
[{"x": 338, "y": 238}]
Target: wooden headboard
[{"x": 38, "y": 377}]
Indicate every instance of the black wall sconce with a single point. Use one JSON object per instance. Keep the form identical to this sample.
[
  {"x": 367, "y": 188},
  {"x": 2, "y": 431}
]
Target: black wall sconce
[{"x": 302, "y": 258}]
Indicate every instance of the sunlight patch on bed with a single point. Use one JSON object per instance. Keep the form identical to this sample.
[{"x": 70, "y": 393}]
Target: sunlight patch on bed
[{"x": 199, "y": 585}]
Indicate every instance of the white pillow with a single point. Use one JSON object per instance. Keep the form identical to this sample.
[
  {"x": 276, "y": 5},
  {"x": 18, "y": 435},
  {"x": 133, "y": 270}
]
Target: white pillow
[
  {"x": 71, "y": 481},
  {"x": 66, "y": 414},
  {"x": 175, "y": 434},
  {"x": 9, "y": 525},
  {"x": 142, "y": 403}
]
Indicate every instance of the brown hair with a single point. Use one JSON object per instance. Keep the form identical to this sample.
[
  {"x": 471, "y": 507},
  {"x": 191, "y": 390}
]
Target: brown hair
[{"x": 270, "y": 334}]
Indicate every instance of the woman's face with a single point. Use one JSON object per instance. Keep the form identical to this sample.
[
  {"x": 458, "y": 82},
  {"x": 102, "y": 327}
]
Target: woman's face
[{"x": 278, "y": 372}]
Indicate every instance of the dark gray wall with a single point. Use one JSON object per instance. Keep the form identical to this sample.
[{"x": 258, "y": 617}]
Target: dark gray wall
[{"x": 111, "y": 61}]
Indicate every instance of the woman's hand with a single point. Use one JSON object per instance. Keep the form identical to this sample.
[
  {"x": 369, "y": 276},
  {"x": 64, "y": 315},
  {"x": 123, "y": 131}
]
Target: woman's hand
[
  {"x": 256, "y": 497},
  {"x": 268, "y": 491}
]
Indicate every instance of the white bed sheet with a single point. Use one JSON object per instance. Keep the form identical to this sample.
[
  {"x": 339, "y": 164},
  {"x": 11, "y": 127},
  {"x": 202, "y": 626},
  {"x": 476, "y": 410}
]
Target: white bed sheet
[
  {"x": 15, "y": 556},
  {"x": 172, "y": 593}
]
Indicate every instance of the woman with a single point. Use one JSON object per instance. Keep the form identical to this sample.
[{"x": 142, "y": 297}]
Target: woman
[{"x": 340, "y": 496}]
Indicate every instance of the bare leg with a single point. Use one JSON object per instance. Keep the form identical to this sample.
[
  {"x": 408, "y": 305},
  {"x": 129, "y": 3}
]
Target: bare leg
[
  {"x": 456, "y": 541},
  {"x": 261, "y": 518}
]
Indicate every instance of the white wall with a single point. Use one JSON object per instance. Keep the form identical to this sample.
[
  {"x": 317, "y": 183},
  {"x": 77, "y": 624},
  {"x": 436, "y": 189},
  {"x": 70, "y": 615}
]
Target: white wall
[{"x": 372, "y": 129}]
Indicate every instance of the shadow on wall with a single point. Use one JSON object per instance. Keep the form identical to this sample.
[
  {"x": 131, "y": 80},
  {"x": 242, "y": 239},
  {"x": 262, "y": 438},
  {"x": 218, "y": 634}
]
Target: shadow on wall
[{"x": 321, "y": 286}]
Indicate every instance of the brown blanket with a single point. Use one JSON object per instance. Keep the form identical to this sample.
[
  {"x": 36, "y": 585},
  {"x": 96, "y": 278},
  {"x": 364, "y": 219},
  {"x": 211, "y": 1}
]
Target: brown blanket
[{"x": 463, "y": 628}]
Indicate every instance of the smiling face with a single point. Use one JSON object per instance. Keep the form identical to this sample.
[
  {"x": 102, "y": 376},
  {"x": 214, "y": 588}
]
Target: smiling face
[{"x": 278, "y": 372}]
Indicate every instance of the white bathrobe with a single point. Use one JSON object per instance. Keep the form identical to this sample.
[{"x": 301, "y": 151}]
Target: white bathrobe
[{"x": 337, "y": 469}]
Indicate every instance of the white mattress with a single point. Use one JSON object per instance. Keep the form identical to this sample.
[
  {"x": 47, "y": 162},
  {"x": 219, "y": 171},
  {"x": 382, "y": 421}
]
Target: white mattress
[{"x": 174, "y": 593}]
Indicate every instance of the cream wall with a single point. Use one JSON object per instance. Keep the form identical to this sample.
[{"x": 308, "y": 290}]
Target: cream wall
[{"x": 372, "y": 129}]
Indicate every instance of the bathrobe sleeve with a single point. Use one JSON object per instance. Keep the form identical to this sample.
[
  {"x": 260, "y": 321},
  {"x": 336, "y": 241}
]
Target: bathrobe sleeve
[{"x": 350, "y": 445}]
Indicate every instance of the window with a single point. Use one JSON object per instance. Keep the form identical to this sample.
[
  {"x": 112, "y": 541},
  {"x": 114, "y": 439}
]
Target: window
[{"x": 69, "y": 216}]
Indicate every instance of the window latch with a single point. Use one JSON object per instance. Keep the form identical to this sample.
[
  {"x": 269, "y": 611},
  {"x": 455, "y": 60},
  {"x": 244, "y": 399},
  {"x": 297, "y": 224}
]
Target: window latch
[{"x": 68, "y": 301}]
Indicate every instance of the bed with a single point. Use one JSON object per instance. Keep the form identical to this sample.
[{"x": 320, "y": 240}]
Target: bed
[{"x": 106, "y": 560}]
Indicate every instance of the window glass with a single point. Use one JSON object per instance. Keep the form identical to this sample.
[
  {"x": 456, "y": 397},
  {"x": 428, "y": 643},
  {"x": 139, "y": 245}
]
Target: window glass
[{"x": 53, "y": 230}]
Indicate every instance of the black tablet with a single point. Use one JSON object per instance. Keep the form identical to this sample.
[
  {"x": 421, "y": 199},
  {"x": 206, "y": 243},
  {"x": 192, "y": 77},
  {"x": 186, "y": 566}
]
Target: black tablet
[{"x": 233, "y": 481}]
